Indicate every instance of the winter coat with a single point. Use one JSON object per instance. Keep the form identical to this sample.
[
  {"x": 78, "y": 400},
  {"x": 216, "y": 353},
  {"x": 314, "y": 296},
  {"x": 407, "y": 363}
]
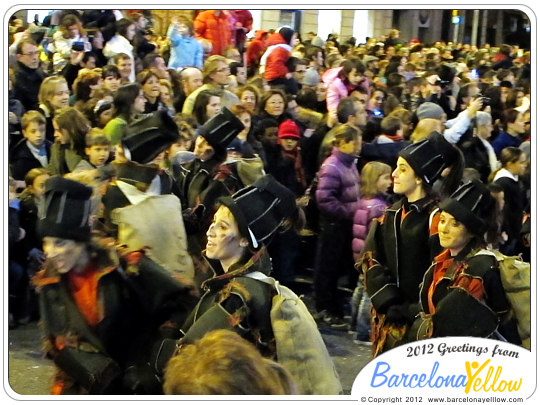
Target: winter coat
[
  {"x": 217, "y": 30},
  {"x": 274, "y": 60},
  {"x": 26, "y": 85},
  {"x": 464, "y": 296},
  {"x": 255, "y": 49},
  {"x": 514, "y": 202},
  {"x": 336, "y": 89},
  {"x": 63, "y": 159},
  {"x": 399, "y": 249},
  {"x": 476, "y": 156},
  {"x": 338, "y": 192},
  {"x": 185, "y": 51},
  {"x": 368, "y": 210},
  {"x": 504, "y": 140},
  {"x": 21, "y": 160},
  {"x": 119, "y": 44}
]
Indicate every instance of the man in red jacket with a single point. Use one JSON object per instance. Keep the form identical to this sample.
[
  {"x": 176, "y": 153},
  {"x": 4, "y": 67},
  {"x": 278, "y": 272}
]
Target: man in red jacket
[{"x": 215, "y": 26}]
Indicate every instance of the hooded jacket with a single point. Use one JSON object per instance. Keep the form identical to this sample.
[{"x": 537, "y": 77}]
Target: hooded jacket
[
  {"x": 273, "y": 62},
  {"x": 255, "y": 49}
]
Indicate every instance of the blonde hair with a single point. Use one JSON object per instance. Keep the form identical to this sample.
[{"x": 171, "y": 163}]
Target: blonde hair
[
  {"x": 369, "y": 176},
  {"x": 223, "y": 363},
  {"x": 48, "y": 88}
]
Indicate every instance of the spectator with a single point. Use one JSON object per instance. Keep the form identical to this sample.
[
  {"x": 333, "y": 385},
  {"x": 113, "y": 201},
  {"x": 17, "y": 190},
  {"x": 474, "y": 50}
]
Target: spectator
[
  {"x": 207, "y": 105},
  {"x": 186, "y": 51},
  {"x": 34, "y": 150},
  {"x": 273, "y": 64},
  {"x": 69, "y": 33},
  {"x": 125, "y": 65},
  {"x": 512, "y": 127},
  {"x": 121, "y": 43},
  {"x": 111, "y": 78},
  {"x": 150, "y": 86},
  {"x": 70, "y": 129},
  {"x": 340, "y": 82},
  {"x": 375, "y": 182},
  {"x": 255, "y": 50},
  {"x": 216, "y": 27},
  {"x": 337, "y": 199},
  {"x": 215, "y": 77},
  {"x": 242, "y": 26},
  {"x": 53, "y": 96},
  {"x": 478, "y": 152},
  {"x": 28, "y": 77},
  {"x": 128, "y": 102},
  {"x": 514, "y": 164},
  {"x": 249, "y": 97}
]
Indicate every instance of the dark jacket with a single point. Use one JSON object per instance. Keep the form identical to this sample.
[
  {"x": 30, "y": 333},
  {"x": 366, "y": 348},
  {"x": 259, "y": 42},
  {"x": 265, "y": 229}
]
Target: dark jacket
[
  {"x": 26, "y": 86},
  {"x": 398, "y": 252},
  {"x": 21, "y": 160},
  {"x": 476, "y": 156},
  {"x": 504, "y": 140},
  {"x": 232, "y": 296}
]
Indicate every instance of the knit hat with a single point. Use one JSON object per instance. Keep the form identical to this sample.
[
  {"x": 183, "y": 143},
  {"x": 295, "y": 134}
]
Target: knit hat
[
  {"x": 146, "y": 138},
  {"x": 429, "y": 110},
  {"x": 311, "y": 78},
  {"x": 287, "y": 34},
  {"x": 288, "y": 129},
  {"x": 220, "y": 130},
  {"x": 65, "y": 209},
  {"x": 430, "y": 157},
  {"x": 471, "y": 204},
  {"x": 261, "y": 209}
]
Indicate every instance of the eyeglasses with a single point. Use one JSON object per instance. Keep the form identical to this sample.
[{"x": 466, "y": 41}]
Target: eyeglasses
[{"x": 31, "y": 53}]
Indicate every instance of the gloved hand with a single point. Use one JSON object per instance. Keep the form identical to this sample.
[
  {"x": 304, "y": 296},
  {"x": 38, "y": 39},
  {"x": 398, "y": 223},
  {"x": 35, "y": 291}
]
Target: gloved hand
[
  {"x": 402, "y": 314},
  {"x": 192, "y": 218}
]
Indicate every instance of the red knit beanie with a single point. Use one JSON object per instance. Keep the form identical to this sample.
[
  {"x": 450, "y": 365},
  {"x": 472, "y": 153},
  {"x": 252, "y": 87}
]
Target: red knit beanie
[{"x": 288, "y": 129}]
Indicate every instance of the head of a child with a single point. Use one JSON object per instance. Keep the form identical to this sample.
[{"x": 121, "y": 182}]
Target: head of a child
[
  {"x": 98, "y": 147},
  {"x": 288, "y": 135},
  {"x": 33, "y": 125},
  {"x": 375, "y": 179},
  {"x": 35, "y": 180}
]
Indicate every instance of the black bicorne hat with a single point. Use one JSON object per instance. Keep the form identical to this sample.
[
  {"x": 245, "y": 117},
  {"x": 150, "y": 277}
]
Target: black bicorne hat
[
  {"x": 146, "y": 138},
  {"x": 220, "y": 130},
  {"x": 65, "y": 210},
  {"x": 430, "y": 157},
  {"x": 261, "y": 209},
  {"x": 471, "y": 204}
]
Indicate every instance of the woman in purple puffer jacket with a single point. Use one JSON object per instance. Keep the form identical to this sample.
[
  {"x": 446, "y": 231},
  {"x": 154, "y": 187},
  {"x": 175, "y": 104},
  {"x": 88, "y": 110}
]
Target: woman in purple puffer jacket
[{"x": 374, "y": 183}]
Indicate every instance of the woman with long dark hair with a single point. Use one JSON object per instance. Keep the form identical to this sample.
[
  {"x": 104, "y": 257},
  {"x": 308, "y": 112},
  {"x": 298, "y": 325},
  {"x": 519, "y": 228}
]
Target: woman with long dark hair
[{"x": 129, "y": 102}]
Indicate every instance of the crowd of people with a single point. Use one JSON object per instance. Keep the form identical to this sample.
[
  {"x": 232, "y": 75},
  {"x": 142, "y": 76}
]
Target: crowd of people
[{"x": 151, "y": 175}]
